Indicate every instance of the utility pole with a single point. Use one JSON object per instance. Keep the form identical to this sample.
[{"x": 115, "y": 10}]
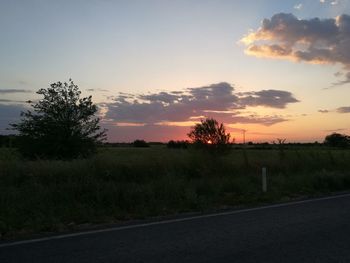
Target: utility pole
[{"x": 244, "y": 131}]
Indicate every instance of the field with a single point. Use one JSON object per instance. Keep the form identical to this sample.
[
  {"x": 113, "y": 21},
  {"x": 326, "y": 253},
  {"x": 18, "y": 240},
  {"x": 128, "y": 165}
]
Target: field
[{"x": 121, "y": 184}]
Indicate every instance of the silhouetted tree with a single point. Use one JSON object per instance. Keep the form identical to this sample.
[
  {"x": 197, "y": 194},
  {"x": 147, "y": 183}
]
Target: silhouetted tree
[
  {"x": 210, "y": 134},
  {"x": 337, "y": 140},
  {"x": 140, "y": 143},
  {"x": 61, "y": 125}
]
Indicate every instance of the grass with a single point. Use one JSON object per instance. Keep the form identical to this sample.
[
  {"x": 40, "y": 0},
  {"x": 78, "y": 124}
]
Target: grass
[{"x": 135, "y": 183}]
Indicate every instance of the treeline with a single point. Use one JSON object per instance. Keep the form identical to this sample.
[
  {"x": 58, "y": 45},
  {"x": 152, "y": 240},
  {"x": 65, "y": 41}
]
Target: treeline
[
  {"x": 181, "y": 144},
  {"x": 332, "y": 140}
]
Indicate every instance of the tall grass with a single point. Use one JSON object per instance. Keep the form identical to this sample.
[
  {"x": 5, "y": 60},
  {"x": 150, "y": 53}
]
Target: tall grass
[{"x": 133, "y": 183}]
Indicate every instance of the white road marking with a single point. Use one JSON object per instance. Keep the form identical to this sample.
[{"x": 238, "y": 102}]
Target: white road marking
[{"x": 169, "y": 221}]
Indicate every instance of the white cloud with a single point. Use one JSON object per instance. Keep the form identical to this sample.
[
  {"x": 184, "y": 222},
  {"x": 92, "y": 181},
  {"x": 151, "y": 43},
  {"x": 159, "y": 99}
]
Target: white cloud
[
  {"x": 335, "y": 2},
  {"x": 332, "y": 2},
  {"x": 298, "y": 6}
]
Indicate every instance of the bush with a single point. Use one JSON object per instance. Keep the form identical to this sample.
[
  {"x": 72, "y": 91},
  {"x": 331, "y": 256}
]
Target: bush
[{"x": 337, "y": 140}]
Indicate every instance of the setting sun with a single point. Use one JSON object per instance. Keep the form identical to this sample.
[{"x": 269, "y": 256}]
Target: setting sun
[
  {"x": 175, "y": 131},
  {"x": 276, "y": 71}
]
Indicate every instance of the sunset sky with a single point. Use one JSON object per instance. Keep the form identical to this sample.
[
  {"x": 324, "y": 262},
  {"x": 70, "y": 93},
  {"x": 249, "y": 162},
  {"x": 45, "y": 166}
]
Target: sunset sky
[{"x": 278, "y": 69}]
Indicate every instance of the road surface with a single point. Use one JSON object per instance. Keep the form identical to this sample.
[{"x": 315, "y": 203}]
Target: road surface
[{"x": 308, "y": 231}]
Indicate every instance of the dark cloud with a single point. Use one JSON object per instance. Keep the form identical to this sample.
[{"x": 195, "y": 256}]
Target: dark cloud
[
  {"x": 343, "y": 110},
  {"x": 6, "y": 91},
  {"x": 322, "y": 41},
  {"x": 216, "y": 100},
  {"x": 268, "y": 98},
  {"x": 11, "y": 101},
  {"x": 160, "y": 97}
]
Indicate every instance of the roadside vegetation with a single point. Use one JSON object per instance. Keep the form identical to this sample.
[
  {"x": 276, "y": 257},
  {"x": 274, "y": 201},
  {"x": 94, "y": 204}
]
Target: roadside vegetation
[
  {"x": 57, "y": 175},
  {"x": 123, "y": 183}
]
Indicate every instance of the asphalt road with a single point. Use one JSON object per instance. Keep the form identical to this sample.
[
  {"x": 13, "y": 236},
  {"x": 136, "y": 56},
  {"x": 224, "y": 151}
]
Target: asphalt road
[{"x": 311, "y": 231}]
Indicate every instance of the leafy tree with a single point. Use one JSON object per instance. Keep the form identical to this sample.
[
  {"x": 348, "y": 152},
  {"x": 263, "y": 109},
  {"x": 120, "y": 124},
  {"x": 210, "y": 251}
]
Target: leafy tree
[
  {"x": 210, "y": 134},
  {"x": 61, "y": 125},
  {"x": 337, "y": 140}
]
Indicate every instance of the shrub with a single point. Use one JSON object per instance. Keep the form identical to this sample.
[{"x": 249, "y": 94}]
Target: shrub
[{"x": 337, "y": 140}]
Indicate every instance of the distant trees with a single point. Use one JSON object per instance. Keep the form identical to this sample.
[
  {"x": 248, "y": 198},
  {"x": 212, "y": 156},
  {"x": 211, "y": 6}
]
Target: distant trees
[
  {"x": 140, "y": 143},
  {"x": 177, "y": 144},
  {"x": 61, "y": 125},
  {"x": 337, "y": 140},
  {"x": 210, "y": 134}
]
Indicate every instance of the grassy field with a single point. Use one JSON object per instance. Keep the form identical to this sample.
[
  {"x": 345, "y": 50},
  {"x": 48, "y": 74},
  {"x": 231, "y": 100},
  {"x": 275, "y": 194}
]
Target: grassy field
[{"x": 134, "y": 183}]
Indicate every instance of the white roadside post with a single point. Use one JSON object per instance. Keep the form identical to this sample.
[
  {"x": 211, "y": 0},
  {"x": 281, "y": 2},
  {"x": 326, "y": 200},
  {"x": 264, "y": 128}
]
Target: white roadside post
[{"x": 264, "y": 182}]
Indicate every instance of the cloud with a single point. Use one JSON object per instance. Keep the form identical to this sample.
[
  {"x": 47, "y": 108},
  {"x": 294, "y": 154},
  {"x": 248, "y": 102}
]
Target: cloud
[
  {"x": 131, "y": 116},
  {"x": 338, "y": 110},
  {"x": 319, "y": 41},
  {"x": 298, "y": 6},
  {"x": 160, "y": 97},
  {"x": 102, "y": 90},
  {"x": 6, "y": 91},
  {"x": 11, "y": 101},
  {"x": 343, "y": 110},
  {"x": 323, "y": 111},
  {"x": 268, "y": 98},
  {"x": 180, "y": 108},
  {"x": 332, "y": 2},
  {"x": 336, "y": 130}
]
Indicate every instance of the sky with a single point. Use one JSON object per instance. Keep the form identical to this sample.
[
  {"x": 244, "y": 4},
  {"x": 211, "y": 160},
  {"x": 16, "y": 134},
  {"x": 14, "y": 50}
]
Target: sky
[{"x": 277, "y": 69}]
